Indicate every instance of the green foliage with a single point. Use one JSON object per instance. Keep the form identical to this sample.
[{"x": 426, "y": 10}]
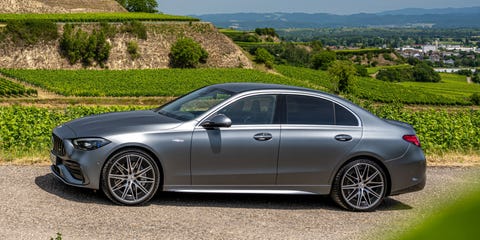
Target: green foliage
[
  {"x": 29, "y": 32},
  {"x": 424, "y": 73},
  {"x": 132, "y": 49},
  {"x": 475, "y": 98},
  {"x": 455, "y": 220},
  {"x": 136, "y": 28},
  {"x": 322, "y": 60},
  {"x": 476, "y": 77},
  {"x": 77, "y": 45},
  {"x": 465, "y": 72},
  {"x": 266, "y": 32},
  {"x": 263, "y": 56},
  {"x": 379, "y": 91},
  {"x": 403, "y": 74},
  {"x": 361, "y": 70},
  {"x": 186, "y": 53},
  {"x": 11, "y": 89},
  {"x": 342, "y": 75},
  {"x": 421, "y": 72},
  {"x": 147, "y": 6},
  {"x": 153, "y": 82},
  {"x": 26, "y": 129},
  {"x": 95, "y": 17}
]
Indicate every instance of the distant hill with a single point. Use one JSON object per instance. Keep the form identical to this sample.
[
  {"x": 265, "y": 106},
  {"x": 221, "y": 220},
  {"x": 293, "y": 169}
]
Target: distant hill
[
  {"x": 438, "y": 18},
  {"x": 56, "y": 6}
]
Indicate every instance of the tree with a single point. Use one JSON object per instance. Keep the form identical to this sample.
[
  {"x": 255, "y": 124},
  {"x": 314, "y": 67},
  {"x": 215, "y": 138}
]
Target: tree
[
  {"x": 343, "y": 76},
  {"x": 139, "y": 5},
  {"x": 263, "y": 56},
  {"x": 323, "y": 59},
  {"x": 422, "y": 72},
  {"x": 186, "y": 53},
  {"x": 476, "y": 77}
]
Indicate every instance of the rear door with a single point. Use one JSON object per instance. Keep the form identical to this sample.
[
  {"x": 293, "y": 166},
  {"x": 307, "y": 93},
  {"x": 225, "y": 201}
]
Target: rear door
[{"x": 316, "y": 135}]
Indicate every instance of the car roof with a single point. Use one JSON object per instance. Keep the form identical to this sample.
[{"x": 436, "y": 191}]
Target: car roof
[{"x": 245, "y": 87}]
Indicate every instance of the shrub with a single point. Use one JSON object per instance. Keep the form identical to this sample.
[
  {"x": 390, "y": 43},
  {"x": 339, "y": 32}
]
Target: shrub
[
  {"x": 361, "y": 70},
  {"x": 404, "y": 74},
  {"x": 475, "y": 99},
  {"x": 263, "y": 56},
  {"x": 135, "y": 28},
  {"x": 476, "y": 77},
  {"x": 266, "y": 32},
  {"x": 132, "y": 49},
  {"x": 422, "y": 72},
  {"x": 343, "y": 76},
  {"x": 148, "y": 6},
  {"x": 77, "y": 45},
  {"x": 186, "y": 53},
  {"x": 29, "y": 32},
  {"x": 323, "y": 59}
]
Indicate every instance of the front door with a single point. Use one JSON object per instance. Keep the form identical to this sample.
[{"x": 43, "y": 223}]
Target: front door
[{"x": 245, "y": 153}]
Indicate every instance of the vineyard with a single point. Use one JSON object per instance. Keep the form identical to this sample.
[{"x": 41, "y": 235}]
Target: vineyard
[
  {"x": 28, "y": 129},
  {"x": 159, "y": 82},
  {"x": 11, "y": 89},
  {"x": 379, "y": 91},
  {"x": 95, "y": 17}
]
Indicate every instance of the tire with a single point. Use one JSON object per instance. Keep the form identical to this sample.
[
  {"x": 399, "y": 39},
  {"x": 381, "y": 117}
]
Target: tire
[
  {"x": 360, "y": 185},
  {"x": 130, "y": 177}
]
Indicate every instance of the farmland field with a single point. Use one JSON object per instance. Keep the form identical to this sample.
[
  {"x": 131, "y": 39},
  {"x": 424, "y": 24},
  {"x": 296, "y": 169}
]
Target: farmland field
[
  {"x": 160, "y": 82},
  {"x": 94, "y": 17},
  {"x": 11, "y": 89}
]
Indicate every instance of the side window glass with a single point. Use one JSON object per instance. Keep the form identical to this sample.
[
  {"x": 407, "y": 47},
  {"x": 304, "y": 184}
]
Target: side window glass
[
  {"x": 251, "y": 110},
  {"x": 344, "y": 117},
  {"x": 309, "y": 110}
]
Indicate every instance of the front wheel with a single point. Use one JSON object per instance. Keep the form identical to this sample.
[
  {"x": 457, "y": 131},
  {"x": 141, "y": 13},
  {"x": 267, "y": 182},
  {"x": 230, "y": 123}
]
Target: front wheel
[
  {"x": 359, "y": 186},
  {"x": 130, "y": 177}
]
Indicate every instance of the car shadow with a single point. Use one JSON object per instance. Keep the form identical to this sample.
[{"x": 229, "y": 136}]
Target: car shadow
[{"x": 50, "y": 184}]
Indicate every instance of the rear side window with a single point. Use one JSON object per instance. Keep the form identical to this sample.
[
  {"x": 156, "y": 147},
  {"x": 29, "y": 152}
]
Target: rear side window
[
  {"x": 309, "y": 110},
  {"x": 344, "y": 117},
  {"x": 317, "y": 111}
]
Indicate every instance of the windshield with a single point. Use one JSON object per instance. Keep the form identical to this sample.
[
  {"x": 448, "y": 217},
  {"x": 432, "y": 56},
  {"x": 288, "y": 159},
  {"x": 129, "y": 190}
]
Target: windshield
[{"x": 194, "y": 104}]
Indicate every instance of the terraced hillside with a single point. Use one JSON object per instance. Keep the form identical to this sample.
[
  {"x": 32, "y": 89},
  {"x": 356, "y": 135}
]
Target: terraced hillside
[{"x": 59, "y": 6}]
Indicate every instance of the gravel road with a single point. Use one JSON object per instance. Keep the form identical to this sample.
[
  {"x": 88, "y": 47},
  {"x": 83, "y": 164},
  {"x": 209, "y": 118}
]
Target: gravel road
[{"x": 36, "y": 206}]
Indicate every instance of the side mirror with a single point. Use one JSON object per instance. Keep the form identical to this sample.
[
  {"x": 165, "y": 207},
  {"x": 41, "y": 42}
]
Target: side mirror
[{"x": 217, "y": 121}]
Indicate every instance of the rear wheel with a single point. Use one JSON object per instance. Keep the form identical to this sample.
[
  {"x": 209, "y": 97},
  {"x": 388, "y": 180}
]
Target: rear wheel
[
  {"x": 130, "y": 177},
  {"x": 359, "y": 186}
]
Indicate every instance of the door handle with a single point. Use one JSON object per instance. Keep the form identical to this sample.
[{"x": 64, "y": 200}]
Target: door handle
[
  {"x": 343, "y": 138},
  {"x": 262, "y": 136}
]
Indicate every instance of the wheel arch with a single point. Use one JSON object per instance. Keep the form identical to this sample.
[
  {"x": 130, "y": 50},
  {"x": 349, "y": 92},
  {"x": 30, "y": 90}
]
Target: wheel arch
[
  {"x": 370, "y": 157},
  {"x": 145, "y": 149}
]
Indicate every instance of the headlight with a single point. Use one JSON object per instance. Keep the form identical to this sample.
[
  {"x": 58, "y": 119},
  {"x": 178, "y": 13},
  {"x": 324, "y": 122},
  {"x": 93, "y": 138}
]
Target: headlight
[{"x": 88, "y": 144}]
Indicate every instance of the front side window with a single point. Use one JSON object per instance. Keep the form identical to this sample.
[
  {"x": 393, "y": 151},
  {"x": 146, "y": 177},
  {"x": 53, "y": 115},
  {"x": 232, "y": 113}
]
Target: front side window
[
  {"x": 251, "y": 110},
  {"x": 194, "y": 104}
]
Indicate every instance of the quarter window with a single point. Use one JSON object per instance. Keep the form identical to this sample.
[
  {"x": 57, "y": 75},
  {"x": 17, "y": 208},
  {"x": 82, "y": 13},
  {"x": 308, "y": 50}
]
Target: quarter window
[{"x": 344, "y": 117}]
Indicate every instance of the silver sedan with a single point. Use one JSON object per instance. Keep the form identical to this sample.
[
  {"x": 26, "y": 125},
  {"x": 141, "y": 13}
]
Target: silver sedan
[{"x": 243, "y": 138}]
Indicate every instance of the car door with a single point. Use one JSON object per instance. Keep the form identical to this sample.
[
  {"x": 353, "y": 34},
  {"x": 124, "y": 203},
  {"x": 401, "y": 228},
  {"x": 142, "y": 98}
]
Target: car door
[
  {"x": 316, "y": 135},
  {"x": 244, "y": 153}
]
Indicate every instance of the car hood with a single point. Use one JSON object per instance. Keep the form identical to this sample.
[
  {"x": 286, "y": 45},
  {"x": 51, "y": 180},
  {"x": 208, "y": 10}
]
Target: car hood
[{"x": 120, "y": 123}]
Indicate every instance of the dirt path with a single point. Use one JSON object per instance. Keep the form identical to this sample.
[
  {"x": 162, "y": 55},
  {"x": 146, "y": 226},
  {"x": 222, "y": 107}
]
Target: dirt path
[{"x": 34, "y": 205}]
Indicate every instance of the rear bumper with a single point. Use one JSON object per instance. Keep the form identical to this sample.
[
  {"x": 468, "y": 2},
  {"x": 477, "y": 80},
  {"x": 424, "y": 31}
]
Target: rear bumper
[{"x": 408, "y": 173}]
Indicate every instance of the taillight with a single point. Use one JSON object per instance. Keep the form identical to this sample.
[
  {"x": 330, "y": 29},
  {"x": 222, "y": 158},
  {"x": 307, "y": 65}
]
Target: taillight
[{"x": 412, "y": 139}]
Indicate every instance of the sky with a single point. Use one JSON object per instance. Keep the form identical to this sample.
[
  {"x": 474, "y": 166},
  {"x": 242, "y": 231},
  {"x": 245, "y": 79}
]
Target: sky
[{"x": 195, "y": 7}]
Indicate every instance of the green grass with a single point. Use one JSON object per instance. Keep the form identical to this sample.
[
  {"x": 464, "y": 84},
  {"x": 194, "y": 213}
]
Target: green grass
[
  {"x": 94, "y": 17},
  {"x": 158, "y": 82},
  {"x": 452, "y": 85}
]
